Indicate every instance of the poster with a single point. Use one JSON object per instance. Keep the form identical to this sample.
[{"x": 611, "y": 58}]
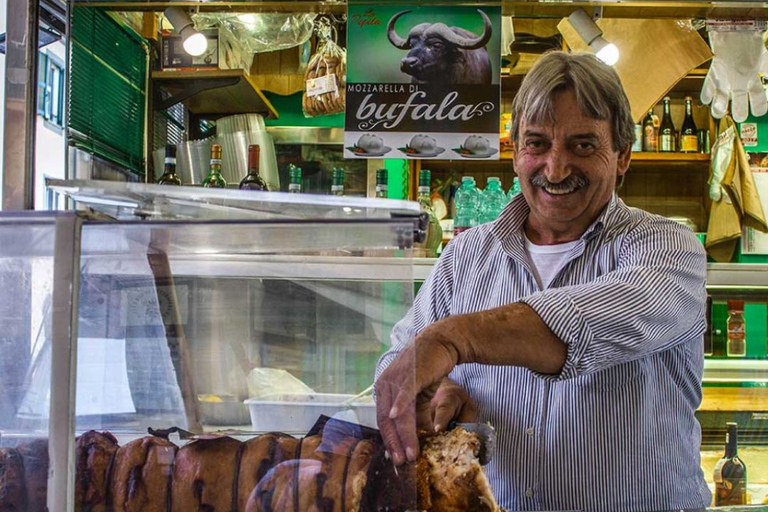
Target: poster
[{"x": 423, "y": 82}]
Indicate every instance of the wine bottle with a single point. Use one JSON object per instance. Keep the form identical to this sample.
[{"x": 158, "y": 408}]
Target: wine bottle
[
  {"x": 689, "y": 137},
  {"x": 214, "y": 178},
  {"x": 253, "y": 180},
  {"x": 169, "y": 176},
  {"x": 667, "y": 132},
  {"x": 730, "y": 474},
  {"x": 650, "y": 134}
]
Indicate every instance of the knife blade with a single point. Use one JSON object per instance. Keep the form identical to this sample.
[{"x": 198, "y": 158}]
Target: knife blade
[{"x": 487, "y": 435}]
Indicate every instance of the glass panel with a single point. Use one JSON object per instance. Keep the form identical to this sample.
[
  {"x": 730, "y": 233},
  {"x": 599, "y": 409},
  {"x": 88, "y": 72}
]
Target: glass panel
[
  {"x": 254, "y": 333},
  {"x": 138, "y": 200},
  {"x": 26, "y": 281},
  {"x": 42, "y": 73}
]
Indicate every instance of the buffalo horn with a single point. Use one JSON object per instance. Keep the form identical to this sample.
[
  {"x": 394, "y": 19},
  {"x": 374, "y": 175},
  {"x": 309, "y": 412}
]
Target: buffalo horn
[
  {"x": 396, "y": 40},
  {"x": 466, "y": 43}
]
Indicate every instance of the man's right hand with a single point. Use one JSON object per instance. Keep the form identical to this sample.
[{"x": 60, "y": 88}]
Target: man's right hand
[{"x": 450, "y": 403}]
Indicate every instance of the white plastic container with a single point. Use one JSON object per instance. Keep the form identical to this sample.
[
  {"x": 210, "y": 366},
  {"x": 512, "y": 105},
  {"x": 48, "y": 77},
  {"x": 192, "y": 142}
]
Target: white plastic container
[{"x": 297, "y": 413}]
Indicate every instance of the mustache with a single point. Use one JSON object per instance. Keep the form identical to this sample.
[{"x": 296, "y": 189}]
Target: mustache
[{"x": 572, "y": 182}]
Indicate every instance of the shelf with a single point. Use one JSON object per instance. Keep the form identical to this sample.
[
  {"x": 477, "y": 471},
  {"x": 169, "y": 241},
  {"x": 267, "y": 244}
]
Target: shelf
[
  {"x": 211, "y": 92},
  {"x": 745, "y": 276},
  {"x": 753, "y": 371},
  {"x": 685, "y": 9},
  {"x": 670, "y": 158}
]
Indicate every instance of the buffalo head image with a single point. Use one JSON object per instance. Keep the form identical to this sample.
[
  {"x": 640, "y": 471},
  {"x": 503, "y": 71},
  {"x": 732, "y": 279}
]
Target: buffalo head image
[{"x": 443, "y": 55}]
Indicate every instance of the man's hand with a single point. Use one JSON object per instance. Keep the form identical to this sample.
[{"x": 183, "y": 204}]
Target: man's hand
[
  {"x": 451, "y": 402},
  {"x": 410, "y": 388},
  {"x": 406, "y": 389}
]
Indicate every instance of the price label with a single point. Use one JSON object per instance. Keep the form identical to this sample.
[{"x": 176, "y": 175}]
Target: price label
[{"x": 321, "y": 85}]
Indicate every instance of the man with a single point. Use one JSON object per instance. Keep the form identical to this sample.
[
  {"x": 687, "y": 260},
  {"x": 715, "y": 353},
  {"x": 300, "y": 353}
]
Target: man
[{"x": 573, "y": 323}]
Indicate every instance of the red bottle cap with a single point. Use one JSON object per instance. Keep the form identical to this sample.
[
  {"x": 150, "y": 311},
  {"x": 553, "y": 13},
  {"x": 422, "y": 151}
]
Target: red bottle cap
[
  {"x": 735, "y": 305},
  {"x": 253, "y": 155}
]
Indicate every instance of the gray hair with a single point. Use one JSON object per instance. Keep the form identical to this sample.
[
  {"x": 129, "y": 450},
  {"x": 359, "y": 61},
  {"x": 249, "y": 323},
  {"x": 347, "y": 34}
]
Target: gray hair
[{"x": 598, "y": 90}]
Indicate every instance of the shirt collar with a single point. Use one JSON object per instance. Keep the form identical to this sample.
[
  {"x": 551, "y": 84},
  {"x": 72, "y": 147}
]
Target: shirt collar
[{"x": 512, "y": 218}]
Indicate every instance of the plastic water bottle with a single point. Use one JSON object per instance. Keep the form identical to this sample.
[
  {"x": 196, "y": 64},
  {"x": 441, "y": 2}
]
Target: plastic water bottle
[
  {"x": 493, "y": 200},
  {"x": 467, "y": 201},
  {"x": 514, "y": 189}
]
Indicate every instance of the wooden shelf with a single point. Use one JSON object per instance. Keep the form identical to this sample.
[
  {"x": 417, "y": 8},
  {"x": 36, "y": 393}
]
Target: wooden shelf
[
  {"x": 659, "y": 159},
  {"x": 214, "y": 92}
]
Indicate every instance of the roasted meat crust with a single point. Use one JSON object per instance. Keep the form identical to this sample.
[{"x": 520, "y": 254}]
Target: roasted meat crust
[
  {"x": 94, "y": 453},
  {"x": 12, "y": 492},
  {"x": 204, "y": 475},
  {"x": 259, "y": 455},
  {"x": 141, "y": 476},
  {"x": 35, "y": 457}
]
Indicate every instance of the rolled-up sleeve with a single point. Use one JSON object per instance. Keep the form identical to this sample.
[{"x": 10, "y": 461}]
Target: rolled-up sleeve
[
  {"x": 432, "y": 303},
  {"x": 653, "y": 300}
]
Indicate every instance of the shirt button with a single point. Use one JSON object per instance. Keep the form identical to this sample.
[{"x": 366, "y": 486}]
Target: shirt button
[
  {"x": 529, "y": 493},
  {"x": 529, "y": 431}
]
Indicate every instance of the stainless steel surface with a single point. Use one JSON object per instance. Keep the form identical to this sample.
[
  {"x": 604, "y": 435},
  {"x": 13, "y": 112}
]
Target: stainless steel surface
[
  {"x": 20, "y": 105},
  {"x": 306, "y": 135},
  {"x": 66, "y": 279}
]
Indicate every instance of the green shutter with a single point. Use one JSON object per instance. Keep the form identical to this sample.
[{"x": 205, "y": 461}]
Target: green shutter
[{"x": 108, "y": 72}]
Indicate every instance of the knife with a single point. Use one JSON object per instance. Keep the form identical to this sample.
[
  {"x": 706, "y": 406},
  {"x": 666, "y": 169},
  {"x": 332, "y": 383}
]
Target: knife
[{"x": 487, "y": 435}]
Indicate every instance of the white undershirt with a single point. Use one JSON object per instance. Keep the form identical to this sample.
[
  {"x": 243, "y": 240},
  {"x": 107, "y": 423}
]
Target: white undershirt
[{"x": 547, "y": 260}]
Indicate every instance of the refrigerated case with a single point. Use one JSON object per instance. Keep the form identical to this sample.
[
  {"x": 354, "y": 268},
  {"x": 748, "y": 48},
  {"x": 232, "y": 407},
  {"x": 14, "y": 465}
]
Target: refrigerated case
[{"x": 263, "y": 322}]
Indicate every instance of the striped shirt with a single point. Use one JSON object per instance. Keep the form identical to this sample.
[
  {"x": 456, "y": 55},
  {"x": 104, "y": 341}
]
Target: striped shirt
[{"x": 615, "y": 430}]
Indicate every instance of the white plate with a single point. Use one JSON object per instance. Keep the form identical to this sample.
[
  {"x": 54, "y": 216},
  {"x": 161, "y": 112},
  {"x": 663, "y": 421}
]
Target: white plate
[
  {"x": 384, "y": 151},
  {"x": 423, "y": 155},
  {"x": 491, "y": 152}
]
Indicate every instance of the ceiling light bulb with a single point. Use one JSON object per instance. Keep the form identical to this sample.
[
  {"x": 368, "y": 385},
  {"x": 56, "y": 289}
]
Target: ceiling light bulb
[
  {"x": 609, "y": 54},
  {"x": 196, "y": 44},
  {"x": 605, "y": 51}
]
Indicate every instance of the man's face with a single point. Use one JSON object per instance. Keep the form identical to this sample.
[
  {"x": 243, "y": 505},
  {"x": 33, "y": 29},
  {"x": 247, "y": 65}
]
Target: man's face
[{"x": 568, "y": 171}]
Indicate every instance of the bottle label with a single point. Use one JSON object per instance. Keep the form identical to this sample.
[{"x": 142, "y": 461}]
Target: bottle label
[
  {"x": 423, "y": 190},
  {"x": 169, "y": 160},
  {"x": 215, "y": 161},
  {"x": 689, "y": 144},
  {"x": 337, "y": 188},
  {"x": 667, "y": 142},
  {"x": 294, "y": 187},
  {"x": 650, "y": 139},
  {"x": 381, "y": 188}
]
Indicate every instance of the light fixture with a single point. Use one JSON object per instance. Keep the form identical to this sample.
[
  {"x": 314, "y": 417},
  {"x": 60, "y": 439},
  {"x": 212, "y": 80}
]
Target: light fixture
[
  {"x": 194, "y": 42},
  {"x": 593, "y": 36}
]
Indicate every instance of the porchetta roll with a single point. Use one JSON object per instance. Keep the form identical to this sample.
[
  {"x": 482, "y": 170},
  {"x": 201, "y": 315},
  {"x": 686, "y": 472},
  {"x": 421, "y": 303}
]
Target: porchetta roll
[
  {"x": 94, "y": 452},
  {"x": 141, "y": 475},
  {"x": 204, "y": 475},
  {"x": 35, "y": 458},
  {"x": 12, "y": 492},
  {"x": 257, "y": 456},
  {"x": 451, "y": 478}
]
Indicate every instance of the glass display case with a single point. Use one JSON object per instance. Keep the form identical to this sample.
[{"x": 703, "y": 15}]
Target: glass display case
[{"x": 192, "y": 359}]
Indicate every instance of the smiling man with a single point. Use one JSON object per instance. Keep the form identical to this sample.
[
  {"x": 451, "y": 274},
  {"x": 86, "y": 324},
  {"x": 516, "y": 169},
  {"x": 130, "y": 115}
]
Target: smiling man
[{"x": 573, "y": 323}]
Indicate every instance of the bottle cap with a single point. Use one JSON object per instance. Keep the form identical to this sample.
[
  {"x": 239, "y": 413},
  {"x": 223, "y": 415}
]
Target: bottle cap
[
  {"x": 688, "y": 98},
  {"x": 425, "y": 178},
  {"x": 667, "y": 98},
  {"x": 468, "y": 178},
  {"x": 735, "y": 305},
  {"x": 170, "y": 151},
  {"x": 493, "y": 178},
  {"x": 294, "y": 173},
  {"x": 253, "y": 154},
  {"x": 381, "y": 176},
  {"x": 338, "y": 176},
  {"x": 216, "y": 151}
]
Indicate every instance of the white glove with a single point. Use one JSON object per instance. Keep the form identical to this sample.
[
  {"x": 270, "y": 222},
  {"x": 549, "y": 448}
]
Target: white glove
[
  {"x": 739, "y": 58},
  {"x": 722, "y": 152}
]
